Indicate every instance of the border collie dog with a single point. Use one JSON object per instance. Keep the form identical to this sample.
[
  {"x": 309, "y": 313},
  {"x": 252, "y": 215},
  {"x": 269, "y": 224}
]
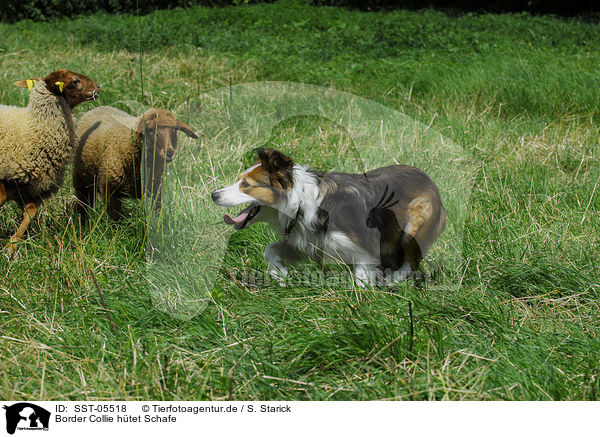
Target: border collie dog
[{"x": 381, "y": 222}]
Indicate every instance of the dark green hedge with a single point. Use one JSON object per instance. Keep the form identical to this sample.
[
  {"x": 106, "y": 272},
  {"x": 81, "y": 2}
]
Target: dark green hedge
[
  {"x": 49, "y": 9},
  {"x": 559, "y": 7}
]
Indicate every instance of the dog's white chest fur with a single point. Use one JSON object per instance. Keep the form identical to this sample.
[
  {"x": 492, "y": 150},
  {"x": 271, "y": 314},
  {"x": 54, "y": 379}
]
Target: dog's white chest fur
[{"x": 301, "y": 209}]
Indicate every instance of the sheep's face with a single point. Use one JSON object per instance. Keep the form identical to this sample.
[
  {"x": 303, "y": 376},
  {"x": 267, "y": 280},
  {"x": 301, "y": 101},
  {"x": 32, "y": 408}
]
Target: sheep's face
[
  {"x": 160, "y": 130},
  {"x": 167, "y": 144},
  {"x": 74, "y": 87}
]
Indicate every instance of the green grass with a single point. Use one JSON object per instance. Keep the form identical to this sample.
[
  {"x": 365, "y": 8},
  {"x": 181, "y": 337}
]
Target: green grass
[{"x": 516, "y": 318}]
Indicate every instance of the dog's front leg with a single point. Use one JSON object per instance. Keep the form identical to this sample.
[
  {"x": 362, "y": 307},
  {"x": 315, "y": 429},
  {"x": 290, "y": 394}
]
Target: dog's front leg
[
  {"x": 365, "y": 275},
  {"x": 276, "y": 255}
]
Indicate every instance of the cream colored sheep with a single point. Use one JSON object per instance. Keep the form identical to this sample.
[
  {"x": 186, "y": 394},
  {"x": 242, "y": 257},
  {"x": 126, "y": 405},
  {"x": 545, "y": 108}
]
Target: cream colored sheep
[
  {"x": 108, "y": 160},
  {"x": 37, "y": 142}
]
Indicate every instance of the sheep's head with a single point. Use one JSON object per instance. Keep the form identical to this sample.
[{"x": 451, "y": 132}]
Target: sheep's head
[
  {"x": 160, "y": 132},
  {"x": 74, "y": 87}
]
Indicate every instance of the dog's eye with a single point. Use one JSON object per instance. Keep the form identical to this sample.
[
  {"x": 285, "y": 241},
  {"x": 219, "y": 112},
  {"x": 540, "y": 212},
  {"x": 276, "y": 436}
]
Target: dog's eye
[{"x": 244, "y": 184}]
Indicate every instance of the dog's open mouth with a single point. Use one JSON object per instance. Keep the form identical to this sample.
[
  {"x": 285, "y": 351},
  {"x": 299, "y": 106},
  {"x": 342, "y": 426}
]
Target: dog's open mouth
[{"x": 243, "y": 218}]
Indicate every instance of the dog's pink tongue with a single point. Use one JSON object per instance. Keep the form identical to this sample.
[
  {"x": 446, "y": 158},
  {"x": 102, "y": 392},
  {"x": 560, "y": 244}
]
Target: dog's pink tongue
[{"x": 239, "y": 219}]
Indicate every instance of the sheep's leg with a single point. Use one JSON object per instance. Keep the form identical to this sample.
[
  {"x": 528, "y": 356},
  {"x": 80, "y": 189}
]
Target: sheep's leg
[
  {"x": 157, "y": 197},
  {"x": 114, "y": 207},
  {"x": 3, "y": 195},
  {"x": 85, "y": 198},
  {"x": 28, "y": 215},
  {"x": 82, "y": 205}
]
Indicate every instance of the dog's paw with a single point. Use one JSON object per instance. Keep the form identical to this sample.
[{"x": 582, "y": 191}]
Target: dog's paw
[{"x": 279, "y": 275}]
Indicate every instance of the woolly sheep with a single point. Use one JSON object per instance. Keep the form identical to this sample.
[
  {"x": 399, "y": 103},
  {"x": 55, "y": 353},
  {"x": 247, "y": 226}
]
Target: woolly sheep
[
  {"x": 37, "y": 142},
  {"x": 108, "y": 160}
]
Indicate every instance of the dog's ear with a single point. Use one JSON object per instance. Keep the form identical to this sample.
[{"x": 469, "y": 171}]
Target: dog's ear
[
  {"x": 277, "y": 166},
  {"x": 274, "y": 161}
]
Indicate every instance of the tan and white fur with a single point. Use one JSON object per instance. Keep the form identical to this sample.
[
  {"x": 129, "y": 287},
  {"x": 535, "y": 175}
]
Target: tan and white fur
[{"x": 381, "y": 222}]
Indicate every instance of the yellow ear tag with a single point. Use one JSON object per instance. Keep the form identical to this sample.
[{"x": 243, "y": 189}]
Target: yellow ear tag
[
  {"x": 61, "y": 85},
  {"x": 30, "y": 83}
]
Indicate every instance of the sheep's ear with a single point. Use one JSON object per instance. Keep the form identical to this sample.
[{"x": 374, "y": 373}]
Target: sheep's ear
[
  {"x": 28, "y": 83},
  {"x": 147, "y": 121},
  {"x": 140, "y": 127},
  {"x": 186, "y": 129}
]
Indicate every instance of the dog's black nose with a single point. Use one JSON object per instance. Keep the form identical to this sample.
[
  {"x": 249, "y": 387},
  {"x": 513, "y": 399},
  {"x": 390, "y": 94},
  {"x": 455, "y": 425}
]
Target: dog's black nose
[{"x": 214, "y": 196}]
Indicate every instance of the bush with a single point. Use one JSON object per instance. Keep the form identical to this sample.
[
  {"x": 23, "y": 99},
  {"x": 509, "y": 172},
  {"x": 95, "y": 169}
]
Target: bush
[
  {"x": 48, "y": 9},
  {"x": 559, "y": 7}
]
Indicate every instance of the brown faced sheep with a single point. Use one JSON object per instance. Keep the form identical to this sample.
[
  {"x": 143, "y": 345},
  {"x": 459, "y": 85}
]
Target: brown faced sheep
[
  {"x": 38, "y": 141},
  {"x": 108, "y": 160}
]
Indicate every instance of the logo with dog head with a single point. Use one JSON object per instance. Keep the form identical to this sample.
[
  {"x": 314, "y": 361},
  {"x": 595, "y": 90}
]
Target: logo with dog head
[{"x": 26, "y": 416}]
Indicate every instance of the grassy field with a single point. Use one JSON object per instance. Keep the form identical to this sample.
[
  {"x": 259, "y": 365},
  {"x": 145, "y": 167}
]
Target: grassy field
[{"x": 516, "y": 317}]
